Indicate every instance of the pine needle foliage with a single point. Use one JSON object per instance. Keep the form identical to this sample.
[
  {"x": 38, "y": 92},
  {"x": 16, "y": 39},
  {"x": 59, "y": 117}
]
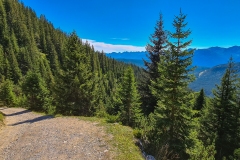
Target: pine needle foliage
[{"x": 174, "y": 111}]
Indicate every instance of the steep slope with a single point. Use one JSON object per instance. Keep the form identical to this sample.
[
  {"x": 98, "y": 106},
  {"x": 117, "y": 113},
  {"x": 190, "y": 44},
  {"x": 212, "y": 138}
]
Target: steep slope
[{"x": 31, "y": 44}]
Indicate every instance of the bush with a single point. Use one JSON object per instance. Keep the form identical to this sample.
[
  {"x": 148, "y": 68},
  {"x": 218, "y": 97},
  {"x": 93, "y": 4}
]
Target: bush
[
  {"x": 6, "y": 93},
  {"x": 21, "y": 101},
  {"x": 101, "y": 114},
  {"x": 51, "y": 110},
  {"x": 237, "y": 153},
  {"x": 112, "y": 118},
  {"x": 137, "y": 133}
]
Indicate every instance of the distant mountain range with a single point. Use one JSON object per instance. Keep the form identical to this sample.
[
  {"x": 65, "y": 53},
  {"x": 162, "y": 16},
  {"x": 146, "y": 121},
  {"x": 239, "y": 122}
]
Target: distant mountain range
[
  {"x": 215, "y": 55},
  {"x": 202, "y": 57},
  {"x": 211, "y": 64}
]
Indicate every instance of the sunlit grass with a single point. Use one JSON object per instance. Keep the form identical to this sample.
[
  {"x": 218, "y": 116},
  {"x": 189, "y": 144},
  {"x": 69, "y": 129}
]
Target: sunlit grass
[
  {"x": 1, "y": 119},
  {"x": 123, "y": 142},
  {"x": 121, "y": 139}
]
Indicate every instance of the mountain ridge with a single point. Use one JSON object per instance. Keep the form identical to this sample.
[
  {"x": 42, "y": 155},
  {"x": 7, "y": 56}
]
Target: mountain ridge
[
  {"x": 208, "y": 57},
  {"x": 211, "y": 64}
]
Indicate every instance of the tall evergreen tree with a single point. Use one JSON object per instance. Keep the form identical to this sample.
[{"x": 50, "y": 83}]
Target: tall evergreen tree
[
  {"x": 74, "y": 86},
  {"x": 3, "y": 24},
  {"x": 130, "y": 107},
  {"x": 2, "y": 65},
  {"x": 222, "y": 119},
  {"x": 173, "y": 111},
  {"x": 15, "y": 70},
  {"x": 155, "y": 50}
]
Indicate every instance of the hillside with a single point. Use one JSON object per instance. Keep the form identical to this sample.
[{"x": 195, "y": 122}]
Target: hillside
[
  {"x": 62, "y": 65},
  {"x": 207, "y": 78}
]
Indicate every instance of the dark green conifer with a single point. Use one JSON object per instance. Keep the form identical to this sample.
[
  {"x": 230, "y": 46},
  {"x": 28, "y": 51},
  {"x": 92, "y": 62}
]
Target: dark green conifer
[
  {"x": 38, "y": 96},
  {"x": 222, "y": 118},
  {"x": 174, "y": 111},
  {"x": 200, "y": 101},
  {"x": 3, "y": 24},
  {"x": 155, "y": 50},
  {"x": 75, "y": 84},
  {"x": 130, "y": 112},
  {"x": 6, "y": 93},
  {"x": 2, "y": 66}
]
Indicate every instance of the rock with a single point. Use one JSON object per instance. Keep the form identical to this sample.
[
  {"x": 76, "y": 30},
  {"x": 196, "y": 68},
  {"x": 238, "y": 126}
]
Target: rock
[
  {"x": 150, "y": 157},
  {"x": 105, "y": 151}
]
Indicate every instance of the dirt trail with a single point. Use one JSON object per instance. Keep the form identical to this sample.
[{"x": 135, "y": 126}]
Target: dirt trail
[{"x": 30, "y": 136}]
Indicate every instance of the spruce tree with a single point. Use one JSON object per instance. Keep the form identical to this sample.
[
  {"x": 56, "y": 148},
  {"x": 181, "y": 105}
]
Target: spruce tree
[
  {"x": 15, "y": 70},
  {"x": 3, "y": 24},
  {"x": 200, "y": 101},
  {"x": 6, "y": 93},
  {"x": 174, "y": 111},
  {"x": 222, "y": 120},
  {"x": 74, "y": 85},
  {"x": 38, "y": 96},
  {"x": 114, "y": 103},
  {"x": 130, "y": 112},
  {"x": 155, "y": 50},
  {"x": 2, "y": 66}
]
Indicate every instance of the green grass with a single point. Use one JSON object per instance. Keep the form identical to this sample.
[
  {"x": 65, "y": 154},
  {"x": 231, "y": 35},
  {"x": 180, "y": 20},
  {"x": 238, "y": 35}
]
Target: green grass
[
  {"x": 92, "y": 119},
  {"x": 1, "y": 119},
  {"x": 123, "y": 142}
]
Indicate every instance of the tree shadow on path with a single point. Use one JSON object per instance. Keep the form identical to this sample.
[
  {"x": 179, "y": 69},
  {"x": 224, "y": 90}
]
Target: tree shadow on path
[
  {"x": 18, "y": 113},
  {"x": 33, "y": 120}
]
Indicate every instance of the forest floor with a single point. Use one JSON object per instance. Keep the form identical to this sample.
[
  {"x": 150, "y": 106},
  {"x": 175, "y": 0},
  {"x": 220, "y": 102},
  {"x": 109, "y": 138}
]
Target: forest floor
[{"x": 29, "y": 135}]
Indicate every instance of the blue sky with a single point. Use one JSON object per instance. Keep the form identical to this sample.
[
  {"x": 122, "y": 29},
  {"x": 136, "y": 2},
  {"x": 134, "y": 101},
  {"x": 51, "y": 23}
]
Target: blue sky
[{"x": 125, "y": 25}]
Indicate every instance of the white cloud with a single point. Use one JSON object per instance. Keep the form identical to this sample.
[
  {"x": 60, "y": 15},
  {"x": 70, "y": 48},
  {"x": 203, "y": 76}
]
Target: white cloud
[
  {"x": 108, "y": 48},
  {"x": 123, "y": 39}
]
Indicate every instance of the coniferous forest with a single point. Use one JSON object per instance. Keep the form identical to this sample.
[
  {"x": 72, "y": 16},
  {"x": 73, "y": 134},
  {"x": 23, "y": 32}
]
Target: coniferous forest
[{"x": 45, "y": 69}]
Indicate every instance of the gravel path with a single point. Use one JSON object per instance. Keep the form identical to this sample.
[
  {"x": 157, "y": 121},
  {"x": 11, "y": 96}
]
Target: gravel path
[{"x": 30, "y": 136}]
